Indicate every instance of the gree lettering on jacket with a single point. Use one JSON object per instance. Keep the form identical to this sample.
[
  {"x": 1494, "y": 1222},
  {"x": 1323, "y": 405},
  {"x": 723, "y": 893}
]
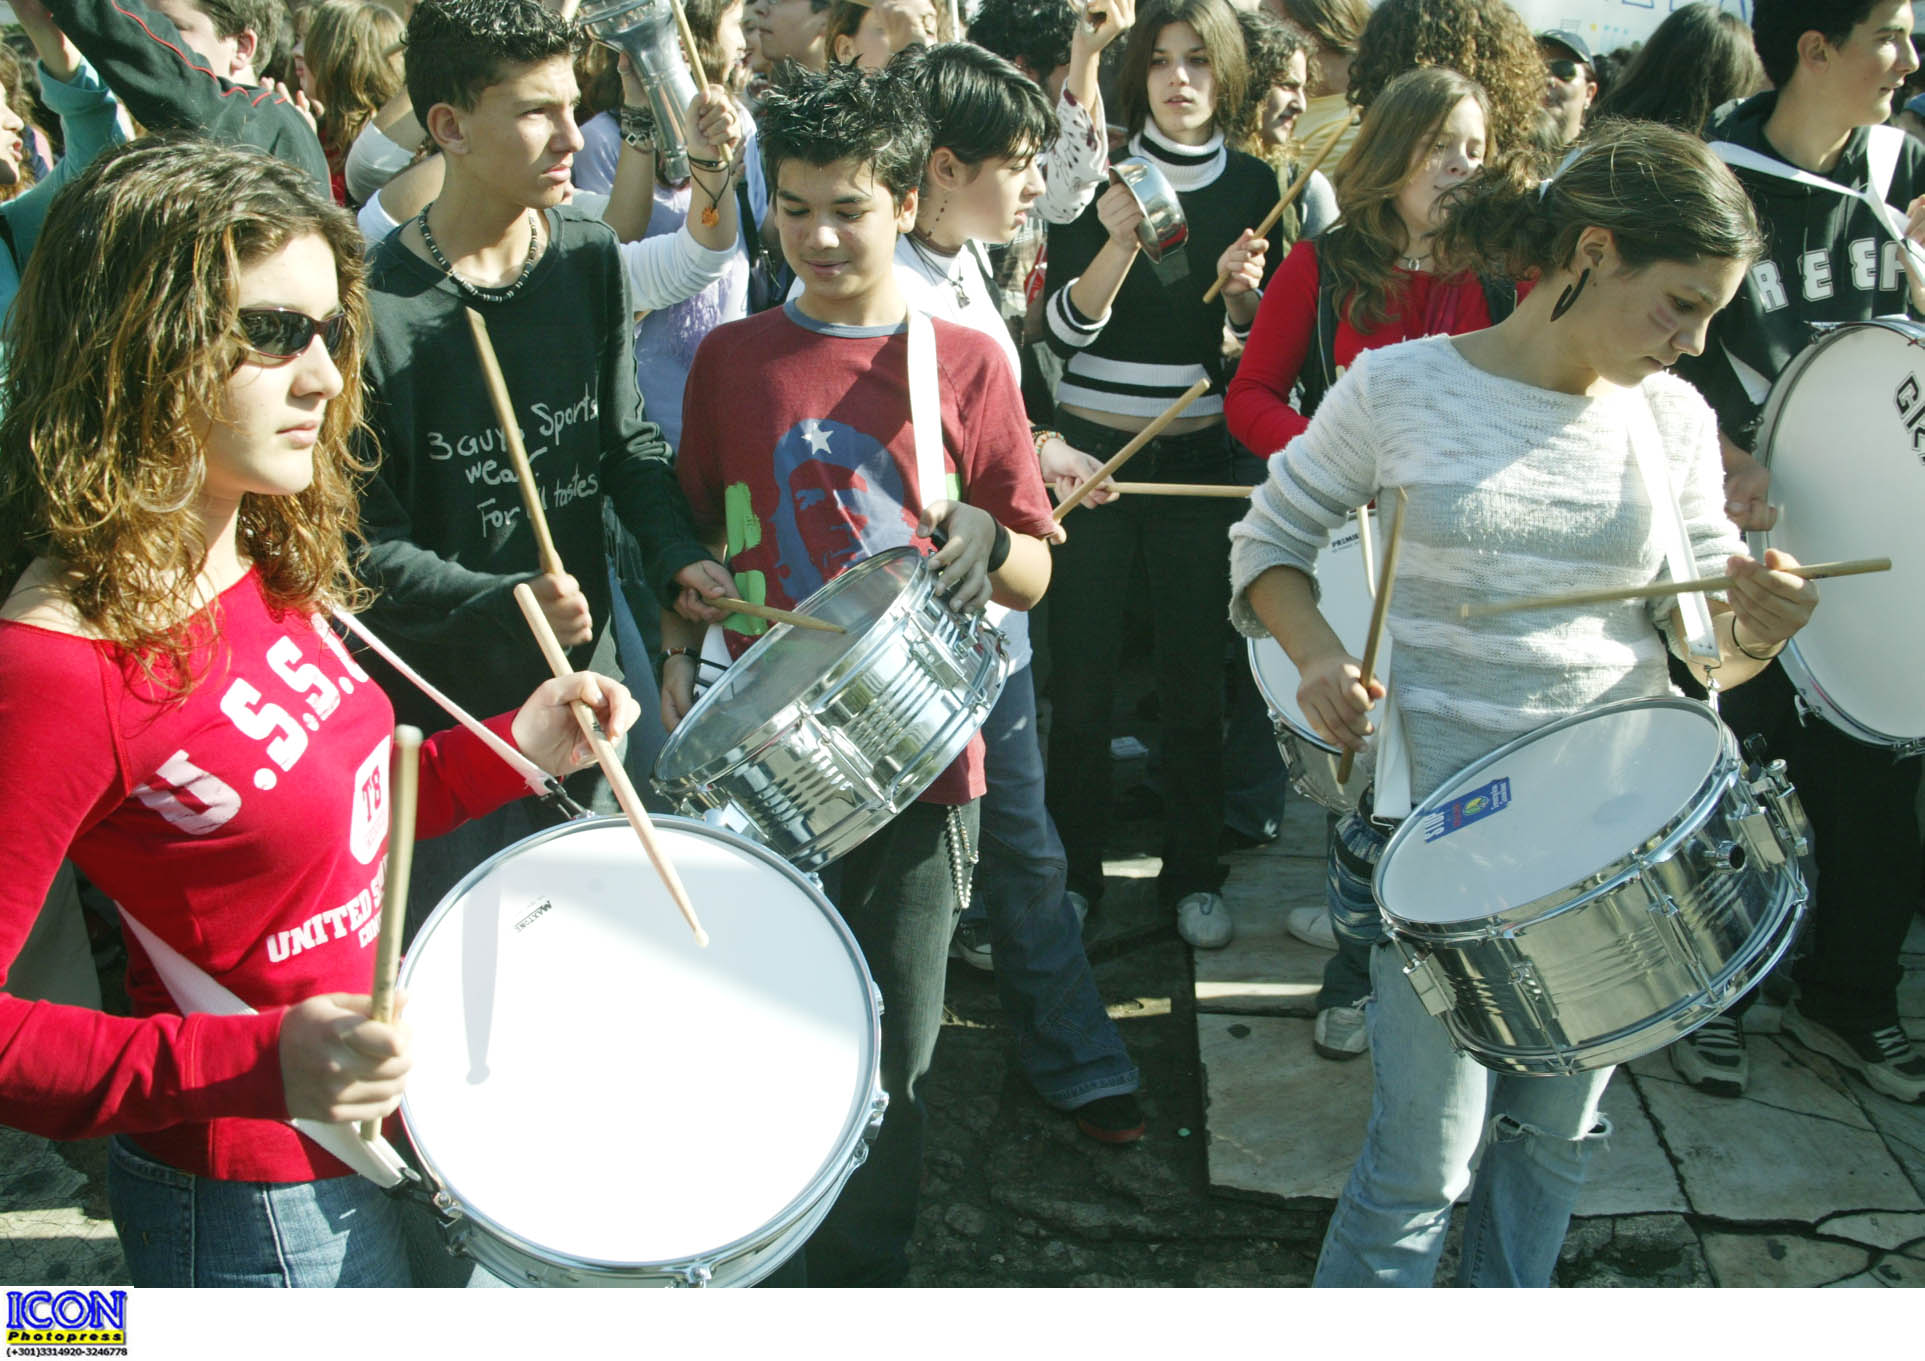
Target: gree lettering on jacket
[{"x": 1865, "y": 265}]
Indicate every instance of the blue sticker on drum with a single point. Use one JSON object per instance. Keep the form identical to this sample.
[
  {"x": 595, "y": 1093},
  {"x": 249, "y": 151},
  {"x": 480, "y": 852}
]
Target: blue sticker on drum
[{"x": 1462, "y": 811}]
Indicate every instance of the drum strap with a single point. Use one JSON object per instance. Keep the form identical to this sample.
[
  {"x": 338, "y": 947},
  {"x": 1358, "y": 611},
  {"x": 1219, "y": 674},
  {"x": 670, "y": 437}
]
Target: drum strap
[
  {"x": 1674, "y": 539},
  {"x": 925, "y": 409},
  {"x": 1881, "y": 154},
  {"x": 197, "y": 994}
]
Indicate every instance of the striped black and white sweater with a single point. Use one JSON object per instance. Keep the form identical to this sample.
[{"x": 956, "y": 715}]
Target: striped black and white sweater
[{"x": 1158, "y": 338}]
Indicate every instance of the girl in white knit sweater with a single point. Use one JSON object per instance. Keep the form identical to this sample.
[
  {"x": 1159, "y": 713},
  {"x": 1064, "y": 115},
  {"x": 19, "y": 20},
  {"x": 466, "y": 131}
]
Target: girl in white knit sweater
[{"x": 1514, "y": 445}]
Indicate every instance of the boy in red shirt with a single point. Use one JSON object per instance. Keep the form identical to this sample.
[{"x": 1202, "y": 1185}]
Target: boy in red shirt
[{"x": 798, "y": 460}]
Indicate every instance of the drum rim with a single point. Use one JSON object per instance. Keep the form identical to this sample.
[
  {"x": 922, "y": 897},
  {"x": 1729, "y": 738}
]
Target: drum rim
[
  {"x": 827, "y": 1177},
  {"x": 1804, "y": 679},
  {"x": 1612, "y": 874},
  {"x": 1278, "y": 715},
  {"x": 694, "y": 774}
]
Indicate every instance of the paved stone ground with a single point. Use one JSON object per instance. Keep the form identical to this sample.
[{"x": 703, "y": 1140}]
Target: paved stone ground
[{"x": 1810, "y": 1180}]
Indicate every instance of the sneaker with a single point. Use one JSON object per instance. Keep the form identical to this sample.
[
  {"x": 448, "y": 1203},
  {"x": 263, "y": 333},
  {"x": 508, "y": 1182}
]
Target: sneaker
[
  {"x": 1340, "y": 1033},
  {"x": 970, "y": 944},
  {"x": 1111, "y": 1119},
  {"x": 1203, "y": 919},
  {"x": 1884, "y": 1057},
  {"x": 1080, "y": 906},
  {"x": 1311, "y": 925},
  {"x": 1712, "y": 1057}
]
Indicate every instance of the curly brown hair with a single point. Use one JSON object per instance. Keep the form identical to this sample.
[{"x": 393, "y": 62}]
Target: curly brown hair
[
  {"x": 123, "y": 338},
  {"x": 348, "y": 53},
  {"x": 1360, "y": 254},
  {"x": 1482, "y": 39}
]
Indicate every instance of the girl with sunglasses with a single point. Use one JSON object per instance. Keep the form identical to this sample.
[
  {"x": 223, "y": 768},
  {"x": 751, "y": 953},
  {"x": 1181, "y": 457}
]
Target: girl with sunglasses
[
  {"x": 1134, "y": 334},
  {"x": 176, "y": 493}
]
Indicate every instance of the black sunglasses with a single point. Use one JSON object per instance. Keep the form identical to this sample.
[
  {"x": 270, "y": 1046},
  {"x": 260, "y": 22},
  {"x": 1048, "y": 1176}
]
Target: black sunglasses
[
  {"x": 1564, "y": 68},
  {"x": 279, "y": 333}
]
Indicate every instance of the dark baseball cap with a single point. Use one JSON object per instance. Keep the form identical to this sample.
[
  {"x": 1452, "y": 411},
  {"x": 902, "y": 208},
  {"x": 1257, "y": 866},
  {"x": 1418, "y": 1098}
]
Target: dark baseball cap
[{"x": 1564, "y": 38}]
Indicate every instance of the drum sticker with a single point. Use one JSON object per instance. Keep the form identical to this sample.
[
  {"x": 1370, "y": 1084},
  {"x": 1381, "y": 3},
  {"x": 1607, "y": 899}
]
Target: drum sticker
[
  {"x": 1912, "y": 411},
  {"x": 1462, "y": 811}
]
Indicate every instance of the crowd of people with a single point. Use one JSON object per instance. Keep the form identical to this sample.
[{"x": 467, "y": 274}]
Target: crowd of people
[{"x": 241, "y": 398}]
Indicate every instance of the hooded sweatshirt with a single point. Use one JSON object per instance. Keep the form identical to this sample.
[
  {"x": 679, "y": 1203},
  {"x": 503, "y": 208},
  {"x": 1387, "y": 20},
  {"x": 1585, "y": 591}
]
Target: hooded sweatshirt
[{"x": 1827, "y": 260}]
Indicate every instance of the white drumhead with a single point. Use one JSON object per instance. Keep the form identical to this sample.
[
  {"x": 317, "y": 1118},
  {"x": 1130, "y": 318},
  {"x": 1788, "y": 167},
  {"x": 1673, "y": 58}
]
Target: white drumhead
[
  {"x": 1548, "y": 812},
  {"x": 1847, "y": 457},
  {"x": 1345, "y": 601},
  {"x": 589, "y": 1079}
]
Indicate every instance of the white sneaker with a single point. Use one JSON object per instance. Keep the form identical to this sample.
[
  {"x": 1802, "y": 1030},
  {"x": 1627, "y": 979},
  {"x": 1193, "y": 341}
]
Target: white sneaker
[
  {"x": 1080, "y": 906},
  {"x": 970, "y": 944},
  {"x": 1203, "y": 919},
  {"x": 1311, "y": 925},
  {"x": 1340, "y": 1033}
]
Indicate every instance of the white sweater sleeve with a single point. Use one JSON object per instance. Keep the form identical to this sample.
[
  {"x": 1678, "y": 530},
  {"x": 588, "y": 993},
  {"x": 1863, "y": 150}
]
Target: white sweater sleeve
[
  {"x": 1315, "y": 482},
  {"x": 665, "y": 270},
  {"x": 373, "y": 160}
]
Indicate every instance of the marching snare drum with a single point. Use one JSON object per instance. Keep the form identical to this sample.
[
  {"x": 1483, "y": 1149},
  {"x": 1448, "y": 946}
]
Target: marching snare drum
[
  {"x": 1843, "y": 434},
  {"x": 1344, "y": 598},
  {"x": 591, "y": 1091},
  {"x": 1596, "y": 889},
  {"x": 812, "y": 741}
]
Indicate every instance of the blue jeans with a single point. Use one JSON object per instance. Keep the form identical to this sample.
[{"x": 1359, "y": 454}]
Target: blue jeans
[
  {"x": 1255, "y": 784},
  {"x": 1430, "y": 1108},
  {"x": 179, "y": 1230},
  {"x": 1354, "y": 844},
  {"x": 1066, "y": 1042},
  {"x": 897, "y": 891}
]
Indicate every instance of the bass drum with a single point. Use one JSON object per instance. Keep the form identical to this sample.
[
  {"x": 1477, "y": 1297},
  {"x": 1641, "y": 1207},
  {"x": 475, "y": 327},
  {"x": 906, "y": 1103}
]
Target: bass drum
[
  {"x": 592, "y": 1092},
  {"x": 1843, "y": 434}
]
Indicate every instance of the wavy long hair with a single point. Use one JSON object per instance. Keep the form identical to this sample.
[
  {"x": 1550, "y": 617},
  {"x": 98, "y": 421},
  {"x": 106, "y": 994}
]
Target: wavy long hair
[
  {"x": 1360, "y": 253},
  {"x": 1482, "y": 39},
  {"x": 347, "y": 53},
  {"x": 1660, "y": 192},
  {"x": 123, "y": 339}
]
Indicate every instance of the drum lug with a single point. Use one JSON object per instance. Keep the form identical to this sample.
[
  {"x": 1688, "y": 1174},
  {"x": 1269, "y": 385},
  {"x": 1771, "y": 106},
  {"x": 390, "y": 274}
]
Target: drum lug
[
  {"x": 695, "y": 1275},
  {"x": 1904, "y": 751},
  {"x": 1433, "y": 988},
  {"x": 1755, "y": 828},
  {"x": 878, "y": 1107},
  {"x": 1791, "y": 827},
  {"x": 1717, "y": 857}
]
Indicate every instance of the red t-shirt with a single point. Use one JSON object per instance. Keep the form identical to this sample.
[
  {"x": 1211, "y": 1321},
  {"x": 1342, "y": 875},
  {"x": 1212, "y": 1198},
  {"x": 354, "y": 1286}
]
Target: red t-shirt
[
  {"x": 1257, "y": 406},
  {"x": 796, "y": 441},
  {"x": 245, "y": 825}
]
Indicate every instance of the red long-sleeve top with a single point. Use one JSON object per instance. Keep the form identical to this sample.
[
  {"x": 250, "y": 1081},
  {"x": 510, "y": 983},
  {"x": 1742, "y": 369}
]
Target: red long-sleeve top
[
  {"x": 1257, "y": 407},
  {"x": 246, "y": 826}
]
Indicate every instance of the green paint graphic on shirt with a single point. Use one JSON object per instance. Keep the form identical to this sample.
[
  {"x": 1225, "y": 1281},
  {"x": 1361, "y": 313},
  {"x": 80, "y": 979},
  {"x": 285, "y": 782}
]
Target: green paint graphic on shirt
[
  {"x": 738, "y": 514},
  {"x": 754, "y": 588},
  {"x": 744, "y": 531}
]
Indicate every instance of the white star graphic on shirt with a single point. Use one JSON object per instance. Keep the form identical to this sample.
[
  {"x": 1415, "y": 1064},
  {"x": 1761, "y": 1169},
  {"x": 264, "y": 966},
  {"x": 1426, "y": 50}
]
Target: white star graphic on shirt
[{"x": 817, "y": 437}]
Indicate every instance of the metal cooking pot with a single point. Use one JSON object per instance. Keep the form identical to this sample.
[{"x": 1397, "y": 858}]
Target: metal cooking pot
[{"x": 1162, "y": 231}]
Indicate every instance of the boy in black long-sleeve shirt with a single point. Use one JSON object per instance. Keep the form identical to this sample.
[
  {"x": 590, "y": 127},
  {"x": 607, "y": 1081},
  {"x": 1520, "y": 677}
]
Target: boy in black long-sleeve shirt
[{"x": 494, "y": 85}]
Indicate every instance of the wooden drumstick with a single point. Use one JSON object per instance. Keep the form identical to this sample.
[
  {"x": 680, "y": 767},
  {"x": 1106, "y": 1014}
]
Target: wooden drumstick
[
  {"x": 403, "y": 773},
  {"x": 1180, "y": 489},
  {"x": 1275, "y": 215},
  {"x": 1129, "y": 451},
  {"x": 1364, "y": 536},
  {"x": 611, "y": 764},
  {"x": 517, "y": 451},
  {"x": 688, "y": 41},
  {"x": 1379, "y": 612},
  {"x": 1809, "y": 571},
  {"x": 774, "y": 615}
]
